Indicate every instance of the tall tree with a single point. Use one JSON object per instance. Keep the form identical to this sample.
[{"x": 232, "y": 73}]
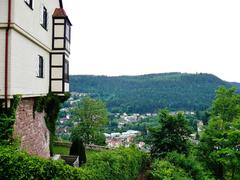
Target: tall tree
[
  {"x": 219, "y": 146},
  {"x": 91, "y": 116},
  {"x": 78, "y": 149},
  {"x": 171, "y": 135}
]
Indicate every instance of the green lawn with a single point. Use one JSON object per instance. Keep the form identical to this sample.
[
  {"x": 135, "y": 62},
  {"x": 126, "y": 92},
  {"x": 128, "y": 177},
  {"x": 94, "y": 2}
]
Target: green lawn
[
  {"x": 91, "y": 154},
  {"x": 60, "y": 150}
]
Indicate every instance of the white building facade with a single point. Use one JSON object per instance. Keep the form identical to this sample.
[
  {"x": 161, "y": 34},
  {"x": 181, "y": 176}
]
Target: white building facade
[{"x": 35, "y": 38}]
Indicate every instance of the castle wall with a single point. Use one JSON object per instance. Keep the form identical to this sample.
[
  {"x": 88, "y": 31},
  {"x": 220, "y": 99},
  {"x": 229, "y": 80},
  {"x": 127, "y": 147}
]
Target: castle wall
[{"x": 31, "y": 130}]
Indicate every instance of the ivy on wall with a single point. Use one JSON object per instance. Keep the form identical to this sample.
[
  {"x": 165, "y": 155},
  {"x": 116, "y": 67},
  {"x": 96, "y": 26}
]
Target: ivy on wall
[
  {"x": 51, "y": 105},
  {"x": 7, "y": 120}
]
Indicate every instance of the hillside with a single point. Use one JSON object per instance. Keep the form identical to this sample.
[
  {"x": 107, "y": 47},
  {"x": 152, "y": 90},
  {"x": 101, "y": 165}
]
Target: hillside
[{"x": 148, "y": 93}]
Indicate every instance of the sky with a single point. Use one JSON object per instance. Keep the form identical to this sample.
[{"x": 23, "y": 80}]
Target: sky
[{"x": 132, "y": 37}]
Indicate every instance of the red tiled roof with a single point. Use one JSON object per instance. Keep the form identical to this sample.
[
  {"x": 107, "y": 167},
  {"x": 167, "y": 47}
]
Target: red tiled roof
[{"x": 59, "y": 12}]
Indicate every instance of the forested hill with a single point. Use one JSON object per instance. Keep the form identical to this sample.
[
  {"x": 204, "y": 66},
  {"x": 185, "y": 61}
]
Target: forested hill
[{"x": 148, "y": 93}]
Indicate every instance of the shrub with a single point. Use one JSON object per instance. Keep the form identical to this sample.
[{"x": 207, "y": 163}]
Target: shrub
[
  {"x": 189, "y": 164},
  {"x": 164, "y": 170},
  {"x": 15, "y": 164},
  {"x": 6, "y": 129},
  {"x": 124, "y": 163}
]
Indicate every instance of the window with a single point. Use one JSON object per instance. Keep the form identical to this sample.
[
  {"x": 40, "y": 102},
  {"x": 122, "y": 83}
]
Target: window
[
  {"x": 40, "y": 66},
  {"x": 29, "y": 3},
  {"x": 68, "y": 31},
  {"x": 44, "y": 17},
  {"x": 66, "y": 71}
]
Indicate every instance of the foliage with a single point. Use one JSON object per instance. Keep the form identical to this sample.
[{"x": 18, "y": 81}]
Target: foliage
[
  {"x": 219, "y": 144},
  {"x": 147, "y": 93},
  {"x": 226, "y": 105},
  {"x": 190, "y": 165},
  {"x": 119, "y": 164},
  {"x": 6, "y": 129},
  {"x": 171, "y": 135},
  {"x": 203, "y": 115},
  {"x": 78, "y": 149},
  {"x": 178, "y": 166},
  {"x": 164, "y": 170},
  {"x": 91, "y": 116},
  {"x": 7, "y": 120},
  {"x": 15, "y": 164},
  {"x": 51, "y": 105}
]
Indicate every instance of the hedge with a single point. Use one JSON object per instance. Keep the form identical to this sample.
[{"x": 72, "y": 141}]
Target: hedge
[
  {"x": 164, "y": 170},
  {"x": 119, "y": 164},
  {"x": 15, "y": 164},
  {"x": 178, "y": 166},
  {"x": 124, "y": 163}
]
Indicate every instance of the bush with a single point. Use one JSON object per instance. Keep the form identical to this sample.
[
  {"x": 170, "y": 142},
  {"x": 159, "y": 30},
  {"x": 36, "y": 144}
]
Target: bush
[
  {"x": 190, "y": 165},
  {"x": 6, "y": 129},
  {"x": 179, "y": 166},
  {"x": 124, "y": 163},
  {"x": 164, "y": 170},
  {"x": 15, "y": 164}
]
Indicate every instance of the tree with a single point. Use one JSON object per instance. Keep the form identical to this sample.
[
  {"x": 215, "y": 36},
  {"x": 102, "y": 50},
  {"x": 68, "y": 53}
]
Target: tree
[
  {"x": 171, "y": 135},
  {"x": 91, "y": 116},
  {"x": 78, "y": 149},
  {"x": 219, "y": 146}
]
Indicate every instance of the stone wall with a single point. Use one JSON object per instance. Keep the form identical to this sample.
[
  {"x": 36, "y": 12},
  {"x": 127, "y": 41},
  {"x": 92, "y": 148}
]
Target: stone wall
[{"x": 31, "y": 129}]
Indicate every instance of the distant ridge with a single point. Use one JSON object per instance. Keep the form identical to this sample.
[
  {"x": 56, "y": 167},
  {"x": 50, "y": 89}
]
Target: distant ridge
[{"x": 150, "y": 92}]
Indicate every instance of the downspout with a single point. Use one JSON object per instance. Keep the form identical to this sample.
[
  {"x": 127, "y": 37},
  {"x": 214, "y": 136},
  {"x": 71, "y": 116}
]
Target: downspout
[{"x": 6, "y": 52}]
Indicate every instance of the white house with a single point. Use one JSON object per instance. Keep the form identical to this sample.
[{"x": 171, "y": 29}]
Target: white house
[{"x": 35, "y": 38}]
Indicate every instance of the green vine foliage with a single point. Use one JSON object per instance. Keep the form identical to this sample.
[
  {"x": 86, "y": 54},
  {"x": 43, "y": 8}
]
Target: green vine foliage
[
  {"x": 51, "y": 105},
  {"x": 7, "y": 120}
]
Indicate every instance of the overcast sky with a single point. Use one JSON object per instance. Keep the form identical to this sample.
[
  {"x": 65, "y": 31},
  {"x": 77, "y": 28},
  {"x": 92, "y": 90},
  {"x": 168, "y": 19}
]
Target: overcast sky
[{"x": 129, "y": 37}]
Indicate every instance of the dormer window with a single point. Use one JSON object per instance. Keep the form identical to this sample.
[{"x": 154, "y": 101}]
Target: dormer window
[
  {"x": 29, "y": 3},
  {"x": 44, "y": 17}
]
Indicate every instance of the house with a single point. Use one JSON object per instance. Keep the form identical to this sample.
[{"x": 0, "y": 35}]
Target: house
[{"x": 35, "y": 38}]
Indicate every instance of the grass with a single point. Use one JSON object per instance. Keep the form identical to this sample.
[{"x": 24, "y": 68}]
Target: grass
[
  {"x": 61, "y": 150},
  {"x": 91, "y": 154}
]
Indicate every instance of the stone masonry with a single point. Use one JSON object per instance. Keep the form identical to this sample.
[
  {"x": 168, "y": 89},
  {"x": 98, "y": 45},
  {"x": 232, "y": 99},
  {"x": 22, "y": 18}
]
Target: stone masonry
[{"x": 31, "y": 129}]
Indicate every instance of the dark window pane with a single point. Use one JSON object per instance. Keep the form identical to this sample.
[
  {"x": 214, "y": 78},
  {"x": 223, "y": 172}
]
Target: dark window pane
[
  {"x": 66, "y": 71},
  {"x": 40, "y": 67},
  {"x": 44, "y": 17}
]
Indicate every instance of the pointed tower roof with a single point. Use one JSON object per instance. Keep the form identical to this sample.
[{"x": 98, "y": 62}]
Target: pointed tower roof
[{"x": 60, "y": 12}]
